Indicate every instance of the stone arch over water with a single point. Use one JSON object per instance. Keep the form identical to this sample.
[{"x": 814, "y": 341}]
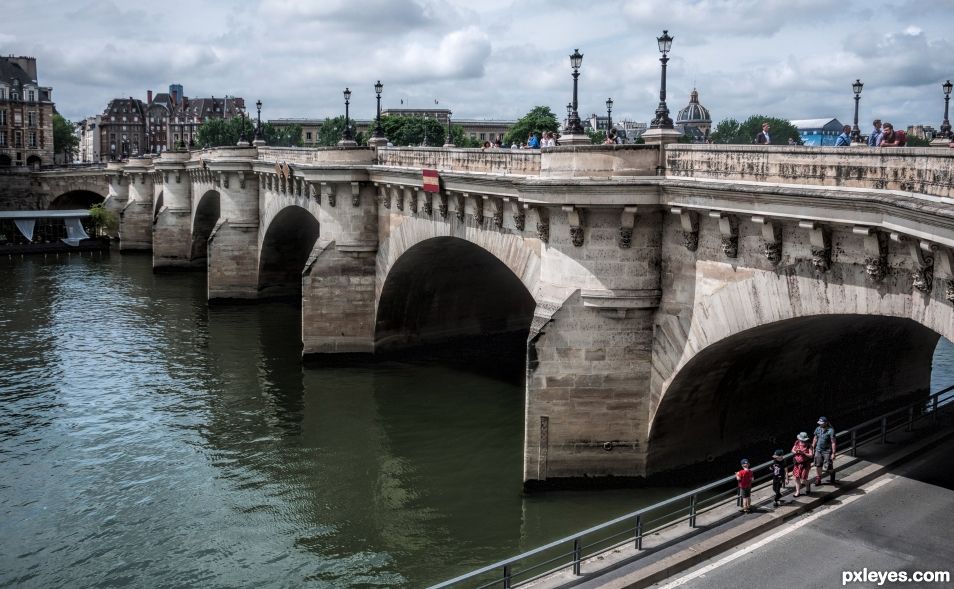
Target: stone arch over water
[
  {"x": 287, "y": 242},
  {"x": 447, "y": 288},
  {"x": 75, "y": 200},
  {"x": 205, "y": 216}
]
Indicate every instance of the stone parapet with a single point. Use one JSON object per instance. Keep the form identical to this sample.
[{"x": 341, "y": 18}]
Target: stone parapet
[
  {"x": 492, "y": 161},
  {"x": 924, "y": 170},
  {"x": 317, "y": 156},
  {"x": 592, "y": 161}
]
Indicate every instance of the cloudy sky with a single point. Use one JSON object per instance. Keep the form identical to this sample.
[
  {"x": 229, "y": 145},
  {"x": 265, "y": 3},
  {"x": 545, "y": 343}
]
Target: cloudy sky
[{"x": 497, "y": 58}]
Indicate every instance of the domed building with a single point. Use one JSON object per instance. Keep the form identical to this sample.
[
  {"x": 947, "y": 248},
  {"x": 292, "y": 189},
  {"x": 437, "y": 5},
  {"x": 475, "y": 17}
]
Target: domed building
[{"x": 694, "y": 119}]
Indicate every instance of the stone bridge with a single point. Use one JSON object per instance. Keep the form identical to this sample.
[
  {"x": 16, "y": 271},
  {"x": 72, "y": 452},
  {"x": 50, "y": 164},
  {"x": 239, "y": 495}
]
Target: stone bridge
[
  {"x": 674, "y": 302},
  {"x": 66, "y": 188}
]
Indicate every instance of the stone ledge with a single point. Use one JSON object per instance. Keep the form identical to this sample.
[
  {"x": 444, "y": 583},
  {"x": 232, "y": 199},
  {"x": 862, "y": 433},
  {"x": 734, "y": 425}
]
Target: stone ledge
[{"x": 621, "y": 299}]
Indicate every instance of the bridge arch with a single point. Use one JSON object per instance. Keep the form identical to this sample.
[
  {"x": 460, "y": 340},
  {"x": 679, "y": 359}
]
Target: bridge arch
[
  {"x": 288, "y": 240},
  {"x": 76, "y": 199},
  {"x": 443, "y": 288},
  {"x": 204, "y": 217},
  {"x": 762, "y": 354}
]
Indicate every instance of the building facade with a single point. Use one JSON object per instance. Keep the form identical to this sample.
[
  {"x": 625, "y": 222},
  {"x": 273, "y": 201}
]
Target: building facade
[
  {"x": 89, "y": 140},
  {"x": 694, "y": 119},
  {"x": 131, "y": 127},
  {"x": 26, "y": 114},
  {"x": 818, "y": 132}
]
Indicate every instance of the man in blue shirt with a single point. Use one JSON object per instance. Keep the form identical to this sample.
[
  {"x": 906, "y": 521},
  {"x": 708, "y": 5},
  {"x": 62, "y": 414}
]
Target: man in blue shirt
[
  {"x": 533, "y": 142},
  {"x": 874, "y": 139},
  {"x": 844, "y": 140},
  {"x": 824, "y": 445}
]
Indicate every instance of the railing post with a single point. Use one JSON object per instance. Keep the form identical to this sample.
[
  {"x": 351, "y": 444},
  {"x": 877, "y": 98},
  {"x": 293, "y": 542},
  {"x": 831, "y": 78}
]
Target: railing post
[
  {"x": 738, "y": 498},
  {"x": 934, "y": 410},
  {"x": 577, "y": 556},
  {"x": 692, "y": 511},
  {"x": 506, "y": 579},
  {"x": 639, "y": 532},
  {"x": 854, "y": 443},
  {"x": 910, "y": 418},
  {"x": 884, "y": 430}
]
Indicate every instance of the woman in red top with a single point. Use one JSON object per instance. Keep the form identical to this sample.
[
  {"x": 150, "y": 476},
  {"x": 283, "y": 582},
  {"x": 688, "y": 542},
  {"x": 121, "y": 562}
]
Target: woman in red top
[
  {"x": 745, "y": 477},
  {"x": 803, "y": 463}
]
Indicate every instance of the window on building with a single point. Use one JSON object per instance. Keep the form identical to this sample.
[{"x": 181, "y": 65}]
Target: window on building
[
  {"x": 31, "y": 119},
  {"x": 2, "y": 93},
  {"x": 17, "y": 118},
  {"x": 3, "y": 117},
  {"x": 3, "y": 138},
  {"x": 176, "y": 137},
  {"x": 483, "y": 135},
  {"x": 14, "y": 95},
  {"x": 33, "y": 139},
  {"x": 308, "y": 135},
  {"x": 17, "y": 139},
  {"x": 32, "y": 96}
]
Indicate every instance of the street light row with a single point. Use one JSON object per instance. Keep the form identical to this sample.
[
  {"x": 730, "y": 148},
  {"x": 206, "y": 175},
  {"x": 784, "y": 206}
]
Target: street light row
[{"x": 662, "y": 120}]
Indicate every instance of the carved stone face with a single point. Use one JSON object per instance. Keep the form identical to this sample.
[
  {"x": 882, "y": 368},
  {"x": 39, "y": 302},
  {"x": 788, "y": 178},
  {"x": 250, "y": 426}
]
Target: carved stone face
[
  {"x": 730, "y": 246},
  {"x": 576, "y": 234},
  {"x": 543, "y": 232},
  {"x": 922, "y": 280},
  {"x": 821, "y": 258},
  {"x": 772, "y": 251},
  {"x": 875, "y": 268},
  {"x": 625, "y": 238},
  {"x": 691, "y": 240},
  {"x": 520, "y": 221},
  {"x": 949, "y": 291}
]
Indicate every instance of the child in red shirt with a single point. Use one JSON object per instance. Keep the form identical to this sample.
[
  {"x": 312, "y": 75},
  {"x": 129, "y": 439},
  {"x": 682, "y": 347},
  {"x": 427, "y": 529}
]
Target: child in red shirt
[{"x": 745, "y": 477}]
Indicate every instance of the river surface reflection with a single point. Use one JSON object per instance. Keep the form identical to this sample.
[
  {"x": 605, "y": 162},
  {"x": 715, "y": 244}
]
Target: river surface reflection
[{"x": 148, "y": 440}]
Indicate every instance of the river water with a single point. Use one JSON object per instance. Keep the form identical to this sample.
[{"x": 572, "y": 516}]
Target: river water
[{"x": 149, "y": 440}]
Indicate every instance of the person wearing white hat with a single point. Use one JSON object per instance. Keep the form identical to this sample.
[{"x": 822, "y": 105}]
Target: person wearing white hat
[{"x": 803, "y": 464}]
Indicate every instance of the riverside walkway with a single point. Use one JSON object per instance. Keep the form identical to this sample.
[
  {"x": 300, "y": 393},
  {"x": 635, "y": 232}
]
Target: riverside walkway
[{"x": 657, "y": 543}]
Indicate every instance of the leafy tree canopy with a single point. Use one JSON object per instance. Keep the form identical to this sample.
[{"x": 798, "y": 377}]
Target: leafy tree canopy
[
  {"x": 732, "y": 131},
  {"x": 64, "y": 139},
  {"x": 330, "y": 132},
  {"x": 414, "y": 131},
  {"x": 538, "y": 120},
  {"x": 220, "y": 132}
]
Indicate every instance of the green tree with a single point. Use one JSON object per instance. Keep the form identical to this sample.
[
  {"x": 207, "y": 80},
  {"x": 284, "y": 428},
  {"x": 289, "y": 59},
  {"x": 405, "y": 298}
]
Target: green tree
[
  {"x": 65, "y": 141},
  {"x": 462, "y": 139},
  {"x": 222, "y": 132},
  {"x": 415, "y": 131},
  {"x": 289, "y": 136},
  {"x": 538, "y": 120},
  {"x": 596, "y": 137},
  {"x": 104, "y": 220},
  {"x": 913, "y": 141},
  {"x": 732, "y": 131},
  {"x": 330, "y": 132}
]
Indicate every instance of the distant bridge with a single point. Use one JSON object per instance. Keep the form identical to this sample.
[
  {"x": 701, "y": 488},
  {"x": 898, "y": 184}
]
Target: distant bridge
[{"x": 663, "y": 290}]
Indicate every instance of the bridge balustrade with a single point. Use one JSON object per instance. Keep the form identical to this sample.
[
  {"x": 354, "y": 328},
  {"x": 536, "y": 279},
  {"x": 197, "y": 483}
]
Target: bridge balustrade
[
  {"x": 492, "y": 161},
  {"x": 924, "y": 170}
]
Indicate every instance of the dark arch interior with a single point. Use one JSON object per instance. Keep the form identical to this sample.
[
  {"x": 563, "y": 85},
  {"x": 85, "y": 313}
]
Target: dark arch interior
[
  {"x": 757, "y": 389},
  {"x": 5, "y": 160},
  {"x": 288, "y": 242},
  {"x": 75, "y": 200},
  {"x": 157, "y": 207},
  {"x": 34, "y": 161},
  {"x": 206, "y": 216},
  {"x": 445, "y": 290}
]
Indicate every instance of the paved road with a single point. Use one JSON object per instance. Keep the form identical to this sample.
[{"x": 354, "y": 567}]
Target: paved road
[{"x": 902, "y": 521}]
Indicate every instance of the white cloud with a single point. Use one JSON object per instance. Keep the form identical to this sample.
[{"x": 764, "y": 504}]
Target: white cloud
[{"x": 497, "y": 58}]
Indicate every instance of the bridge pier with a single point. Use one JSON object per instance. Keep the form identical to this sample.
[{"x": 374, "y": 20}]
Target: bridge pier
[
  {"x": 136, "y": 217},
  {"x": 233, "y": 246},
  {"x": 172, "y": 243},
  {"x": 338, "y": 282}
]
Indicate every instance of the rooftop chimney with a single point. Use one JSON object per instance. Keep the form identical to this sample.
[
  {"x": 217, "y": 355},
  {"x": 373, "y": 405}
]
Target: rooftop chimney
[{"x": 148, "y": 96}]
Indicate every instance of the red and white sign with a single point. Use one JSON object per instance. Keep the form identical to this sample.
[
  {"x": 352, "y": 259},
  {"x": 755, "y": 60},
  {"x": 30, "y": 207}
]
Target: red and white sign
[{"x": 432, "y": 181}]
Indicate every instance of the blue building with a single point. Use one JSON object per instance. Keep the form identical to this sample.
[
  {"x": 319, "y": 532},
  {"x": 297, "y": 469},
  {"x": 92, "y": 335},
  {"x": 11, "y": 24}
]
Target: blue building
[{"x": 818, "y": 131}]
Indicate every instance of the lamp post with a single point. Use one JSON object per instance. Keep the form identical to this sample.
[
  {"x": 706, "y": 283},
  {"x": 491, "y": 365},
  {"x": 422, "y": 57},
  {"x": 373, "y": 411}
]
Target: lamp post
[
  {"x": 346, "y": 138},
  {"x": 378, "y": 137},
  {"x": 243, "y": 136},
  {"x": 662, "y": 120},
  {"x": 946, "y": 125},
  {"x": 259, "y": 137},
  {"x": 449, "y": 141},
  {"x": 855, "y": 131},
  {"x": 575, "y": 135},
  {"x": 609, "y": 115}
]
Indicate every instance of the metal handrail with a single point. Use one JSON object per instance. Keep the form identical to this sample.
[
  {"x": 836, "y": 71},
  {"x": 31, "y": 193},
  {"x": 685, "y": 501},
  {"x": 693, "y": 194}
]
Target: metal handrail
[{"x": 505, "y": 567}]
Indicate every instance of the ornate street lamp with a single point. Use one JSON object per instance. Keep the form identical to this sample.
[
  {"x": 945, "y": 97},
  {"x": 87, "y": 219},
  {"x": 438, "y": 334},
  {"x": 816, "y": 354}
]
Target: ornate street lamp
[
  {"x": 449, "y": 141},
  {"x": 946, "y": 125},
  {"x": 609, "y": 115},
  {"x": 378, "y": 137},
  {"x": 346, "y": 137},
  {"x": 575, "y": 128},
  {"x": 855, "y": 131},
  {"x": 243, "y": 136},
  {"x": 259, "y": 139},
  {"x": 662, "y": 120}
]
